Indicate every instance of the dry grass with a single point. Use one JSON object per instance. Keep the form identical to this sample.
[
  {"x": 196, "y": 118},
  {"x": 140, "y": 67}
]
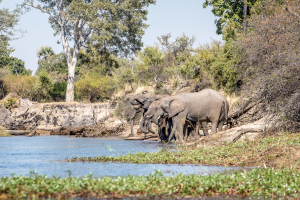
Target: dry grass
[
  {"x": 278, "y": 151},
  {"x": 3, "y": 132}
]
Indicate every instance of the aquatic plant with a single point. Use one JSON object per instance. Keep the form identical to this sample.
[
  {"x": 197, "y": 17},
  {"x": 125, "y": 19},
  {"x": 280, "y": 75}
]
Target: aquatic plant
[
  {"x": 263, "y": 183},
  {"x": 276, "y": 151}
]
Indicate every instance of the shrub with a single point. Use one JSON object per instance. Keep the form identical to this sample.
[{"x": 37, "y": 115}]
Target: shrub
[
  {"x": 10, "y": 102},
  {"x": 24, "y": 86},
  {"x": 59, "y": 91},
  {"x": 93, "y": 87},
  {"x": 3, "y": 132}
]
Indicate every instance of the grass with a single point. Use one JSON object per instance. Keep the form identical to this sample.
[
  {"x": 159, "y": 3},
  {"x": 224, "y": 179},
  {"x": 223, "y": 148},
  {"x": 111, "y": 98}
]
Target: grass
[
  {"x": 3, "y": 132},
  {"x": 278, "y": 151},
  {"x": 262, "y": 183}
]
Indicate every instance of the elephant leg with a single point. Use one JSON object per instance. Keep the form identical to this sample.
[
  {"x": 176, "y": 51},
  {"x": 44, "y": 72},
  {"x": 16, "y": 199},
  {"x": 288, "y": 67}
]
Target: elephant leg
[
  {"x": 131, "y": 122},
  {"x": 180, "y": 130},
  {"x": 204, "y": 127},
  {"x": 131, "y": 127},
  {"x": 159, "y": 132},
  {"x": 196, "y": 133},
  {"x": 169, "y": 126},
  {"x": 220, "y": 125},
  {"x": 181, "y": 122},
  {"x": 185, "y": 131},
  {"x": 214, "y": 127},
  {"x": 174, "y": 127}
]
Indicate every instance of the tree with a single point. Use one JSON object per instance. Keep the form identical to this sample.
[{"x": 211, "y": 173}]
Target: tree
[
  {"x": 44, "y": 52},
  {"x": 231, "y": 13},
  {"x": 8, "y": 21},
  {"x": 115, "y": 25}
]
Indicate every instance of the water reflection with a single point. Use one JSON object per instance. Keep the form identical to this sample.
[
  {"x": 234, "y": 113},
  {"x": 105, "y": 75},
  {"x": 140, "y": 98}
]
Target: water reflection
[{"x": 18, "y": 155}]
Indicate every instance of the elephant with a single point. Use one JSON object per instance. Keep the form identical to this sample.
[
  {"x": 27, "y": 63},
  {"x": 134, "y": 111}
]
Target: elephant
[
  {"x": 141, "y": 103},
  {"x": 205, "y": 106},
  {"x": 145, "y": 124}
]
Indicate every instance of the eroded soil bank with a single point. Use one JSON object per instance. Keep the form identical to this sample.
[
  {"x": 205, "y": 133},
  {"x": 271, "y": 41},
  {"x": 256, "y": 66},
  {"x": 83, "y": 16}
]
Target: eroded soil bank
[{"x": 78, "y": 119}]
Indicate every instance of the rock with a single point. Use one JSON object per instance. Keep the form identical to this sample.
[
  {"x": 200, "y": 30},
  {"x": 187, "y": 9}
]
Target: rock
[
  {"x": 5, "y": 118},
  {"x": 25, "y": 102},
  {"x": 18, "y": 132}
]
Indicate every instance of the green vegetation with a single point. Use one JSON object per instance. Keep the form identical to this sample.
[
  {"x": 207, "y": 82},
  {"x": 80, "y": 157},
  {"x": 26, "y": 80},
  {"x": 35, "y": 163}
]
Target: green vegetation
[
  {"x": 118, "y": 29},
  {"x": 3, "y": 132},
  {"x": 10, "y": 102},
  {"x": 263, "y": 183},
  {"x": 276, "y": 151}
]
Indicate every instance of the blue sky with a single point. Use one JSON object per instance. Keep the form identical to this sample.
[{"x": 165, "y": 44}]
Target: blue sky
[{"x": 167, "y": 16}]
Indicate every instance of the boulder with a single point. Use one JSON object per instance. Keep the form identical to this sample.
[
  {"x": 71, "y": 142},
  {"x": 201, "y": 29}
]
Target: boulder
[{"x": 5, "y": 118}]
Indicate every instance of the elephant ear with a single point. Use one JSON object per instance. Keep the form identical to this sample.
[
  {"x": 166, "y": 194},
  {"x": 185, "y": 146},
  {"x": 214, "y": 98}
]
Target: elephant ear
[
  {"x": 176, "y": 106},
  {"x": 141, "y": 98}
]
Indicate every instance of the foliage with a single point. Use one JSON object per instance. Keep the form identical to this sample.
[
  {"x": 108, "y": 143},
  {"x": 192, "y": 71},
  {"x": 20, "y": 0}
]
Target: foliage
[
  {"x": 45, "y": 87},
  {"x": 259, "y": 183},
  {"x": 8, "y": 20},
  {"x": 59, "y": 91},
  {"x": 3, "y": 88},
  {"x": 219, "y": 64},
  {"x": 36, "y": 88},
  {"x": 114, "y": 26},
  {"x": 3, "y": 132},
  {"x": 24, "y": 86},
  {"x": 275, "y": 151},
  {"x": 17, "y": 66},
  {"x": 93, "y": 86},
  {"x": 44, "y": 53},
  {"x": 271, "y": 63},
  {"x": 10, "y": 102},
  {"x": 230, "y": 14},
  {"x": 53, "y": 63}
]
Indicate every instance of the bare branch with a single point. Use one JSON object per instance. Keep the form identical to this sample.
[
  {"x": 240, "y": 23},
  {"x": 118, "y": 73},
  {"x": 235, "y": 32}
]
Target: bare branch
[{"x": 43, "y": 10}]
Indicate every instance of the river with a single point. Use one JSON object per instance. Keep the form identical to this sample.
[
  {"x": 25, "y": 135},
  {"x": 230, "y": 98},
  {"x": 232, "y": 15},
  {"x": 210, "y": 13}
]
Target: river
[{"x": 46, "y": 154}]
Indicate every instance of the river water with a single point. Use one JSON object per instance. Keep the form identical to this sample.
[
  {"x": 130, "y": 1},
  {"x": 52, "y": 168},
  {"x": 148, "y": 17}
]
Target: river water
[{"x": 46, "y": 154}]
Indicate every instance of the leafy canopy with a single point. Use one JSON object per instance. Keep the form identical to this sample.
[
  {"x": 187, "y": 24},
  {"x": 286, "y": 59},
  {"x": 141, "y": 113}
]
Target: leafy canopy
[
  {"x": 115, "y": 25},
  {"x": 230, "y": 13}
]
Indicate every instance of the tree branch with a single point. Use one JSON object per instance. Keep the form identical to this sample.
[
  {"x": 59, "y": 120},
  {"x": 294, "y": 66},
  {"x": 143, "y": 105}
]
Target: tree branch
[{"x": 43, "y": 10}]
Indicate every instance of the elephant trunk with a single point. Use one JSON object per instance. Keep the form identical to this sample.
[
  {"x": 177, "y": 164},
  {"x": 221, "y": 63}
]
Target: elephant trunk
[
  {"x": 150, "y": 126},
  {"x": 158, "y": 114},
  {"x": 143, "y": 126}
]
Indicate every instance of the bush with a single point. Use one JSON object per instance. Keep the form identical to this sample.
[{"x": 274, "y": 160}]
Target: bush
[
  {"x": 93, "y": 87},
  {"x": 3, "y": 132},
  {"x": 59, "y": 91},
  {"x": 10, "y": 102},
  {"x": 271, "y": 62},
  {"x": 24, "y": 86}
]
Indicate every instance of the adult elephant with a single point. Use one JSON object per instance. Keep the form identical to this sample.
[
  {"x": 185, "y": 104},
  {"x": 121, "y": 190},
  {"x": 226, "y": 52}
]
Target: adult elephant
[
  {"x": 165, "y": 123},
  {"x": 205, "y": 106},
  {"x": 141, "y": 103}
]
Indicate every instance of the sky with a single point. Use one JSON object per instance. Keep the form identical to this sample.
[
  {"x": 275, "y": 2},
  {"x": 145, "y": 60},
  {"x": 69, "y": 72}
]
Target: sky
[{"x": 167, "y": 16}]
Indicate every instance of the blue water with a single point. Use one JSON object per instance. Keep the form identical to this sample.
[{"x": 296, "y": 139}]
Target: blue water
[{"x": 46, "y": 154}]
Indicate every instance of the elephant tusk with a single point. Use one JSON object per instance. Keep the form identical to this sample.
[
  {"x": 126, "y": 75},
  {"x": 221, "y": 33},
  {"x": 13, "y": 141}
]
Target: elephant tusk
[{"x": 158, "y": 118}]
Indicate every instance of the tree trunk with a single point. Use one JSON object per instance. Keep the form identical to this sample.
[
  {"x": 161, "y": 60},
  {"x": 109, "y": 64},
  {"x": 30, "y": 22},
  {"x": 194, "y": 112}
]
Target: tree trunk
[
  {"x": 70, "y": 83},
  {"x": 245, "y": 16}
]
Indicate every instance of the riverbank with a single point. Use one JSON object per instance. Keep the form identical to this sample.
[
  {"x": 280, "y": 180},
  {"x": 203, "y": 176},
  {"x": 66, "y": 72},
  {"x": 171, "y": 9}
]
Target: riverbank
[
  {"x": 281, "y": 150},
  {"x": 258, "y": 183}
]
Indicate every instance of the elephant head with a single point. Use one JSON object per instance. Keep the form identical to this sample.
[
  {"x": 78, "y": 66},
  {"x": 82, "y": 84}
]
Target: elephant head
[
  {"x": 169, "y": 107},
  {"x": 137, "y": 99},
  {"x": 148, "y": 116}
]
